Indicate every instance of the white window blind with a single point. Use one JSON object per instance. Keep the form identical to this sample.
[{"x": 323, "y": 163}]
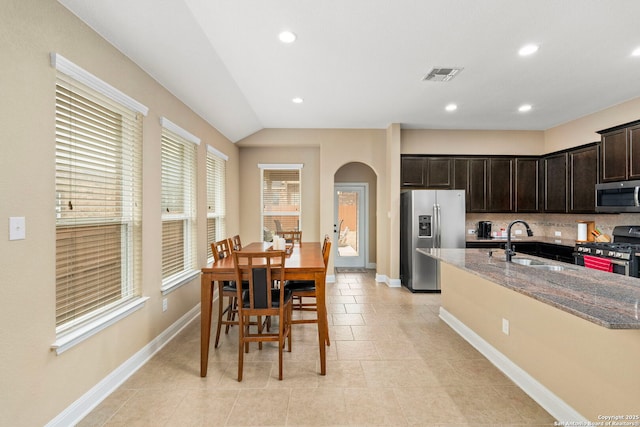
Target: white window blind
[
  {"x": 281, "y": 199},
  {"x": 178, "y": 206},
  {"x": 216, "y": 206},
  {"x": 98, "y": 203}
]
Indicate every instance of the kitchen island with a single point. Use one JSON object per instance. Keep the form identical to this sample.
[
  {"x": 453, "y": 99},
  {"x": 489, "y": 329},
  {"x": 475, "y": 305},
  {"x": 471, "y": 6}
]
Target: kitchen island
[{"x": 569, "y": 338}]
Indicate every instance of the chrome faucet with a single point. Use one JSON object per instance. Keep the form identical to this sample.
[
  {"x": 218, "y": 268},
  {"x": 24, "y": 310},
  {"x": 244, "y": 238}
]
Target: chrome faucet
[{"x": 508, "y": 250}]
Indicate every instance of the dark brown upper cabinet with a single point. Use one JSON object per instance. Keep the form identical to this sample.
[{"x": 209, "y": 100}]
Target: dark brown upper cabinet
[
  {"x": 477, "y": 185},
  {"x": 461, "y": 178},
  {"x": 427, "y": 172},
  {"x": 556, "y": 178},
  {"x": 621, "y": 152},
  {"x": 412, "y": 172},
  {"x": 527, "y": 196},
  {"x": 584, "y": 170},
  {"x": 501, "y": 184},
  {"x": 439, "y": 171}
]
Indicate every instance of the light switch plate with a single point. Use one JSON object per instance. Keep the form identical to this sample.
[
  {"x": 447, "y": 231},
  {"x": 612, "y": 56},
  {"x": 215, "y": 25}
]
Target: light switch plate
[
  {"x": 505, "y": 326},
  {"x": 17, "y": 228}
]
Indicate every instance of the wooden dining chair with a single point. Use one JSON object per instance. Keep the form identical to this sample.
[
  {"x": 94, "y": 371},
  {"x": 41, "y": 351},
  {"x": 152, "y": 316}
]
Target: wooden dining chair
[
  {"x": 307, "y": 289},
  {"x": 226, "y": 289},
  {"x": 262, "y": 300},
  {"x": 292, "y": 236},
  {"x": 236, "y": 244}
]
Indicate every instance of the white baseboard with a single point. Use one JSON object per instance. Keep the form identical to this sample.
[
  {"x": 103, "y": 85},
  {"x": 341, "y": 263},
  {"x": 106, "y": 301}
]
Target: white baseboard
[
  {"x": 392, "y": 283},
  {"x": 559, "y": 409},
  {"x": 85, "y": 404}
]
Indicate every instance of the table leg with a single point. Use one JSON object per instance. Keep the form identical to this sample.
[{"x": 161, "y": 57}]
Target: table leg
[
  {"x": 323, "y": 326},
  {"x": 206, "y": 300}
]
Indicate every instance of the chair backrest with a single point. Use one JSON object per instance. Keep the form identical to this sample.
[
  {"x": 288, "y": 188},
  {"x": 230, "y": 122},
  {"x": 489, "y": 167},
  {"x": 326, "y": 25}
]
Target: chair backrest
[
  {"x": 221, "y": 249},
  {"x": 324, "y": 243},
  {"x": 260, "y": 270},
  {"x": 292, "y": 236},
  {"x": 236, "y": 244},
  {"x": 326, "y": 252}
]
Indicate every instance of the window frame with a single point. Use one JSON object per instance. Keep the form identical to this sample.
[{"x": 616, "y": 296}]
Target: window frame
[
  {"x": 263, "y": 213},
  {"x": 80, "y": 83},
  {"x": 216, "y": 188},
  {"x": 177, "y": 135}
]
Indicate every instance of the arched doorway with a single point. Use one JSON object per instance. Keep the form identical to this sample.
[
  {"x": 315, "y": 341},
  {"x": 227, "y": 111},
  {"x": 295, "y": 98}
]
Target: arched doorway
[{"x": 355, "y": 186}]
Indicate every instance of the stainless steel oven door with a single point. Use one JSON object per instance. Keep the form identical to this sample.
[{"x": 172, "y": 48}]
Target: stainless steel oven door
[{"x": 619, "y": 266}]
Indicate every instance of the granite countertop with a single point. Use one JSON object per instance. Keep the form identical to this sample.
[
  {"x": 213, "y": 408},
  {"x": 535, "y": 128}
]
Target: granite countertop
[{"x": 606, "y": 299}]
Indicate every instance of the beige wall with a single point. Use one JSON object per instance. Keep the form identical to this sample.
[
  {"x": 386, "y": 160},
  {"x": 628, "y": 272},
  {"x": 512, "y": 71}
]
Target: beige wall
[
  {"x": 323, "y": 152},
  {"x": 467, "y": 142},
  {"x": 29, "y": 31},
  {"x": 583, "y": 130},
  {"x": 593, "y": 369},
  {"x": 36, "y": 384},
  {"x": 250, "y": 184}
]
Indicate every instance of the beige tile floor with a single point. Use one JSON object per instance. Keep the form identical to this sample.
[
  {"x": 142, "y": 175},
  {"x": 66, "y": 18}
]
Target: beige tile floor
[{"x": 392, "y": 362}]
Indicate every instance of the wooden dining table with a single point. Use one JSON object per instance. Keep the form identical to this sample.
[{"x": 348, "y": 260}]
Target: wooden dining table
[{"x": 304, "y": 263}]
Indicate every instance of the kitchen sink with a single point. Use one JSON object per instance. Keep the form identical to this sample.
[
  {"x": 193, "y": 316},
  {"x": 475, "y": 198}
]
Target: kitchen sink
[
  {"x": 526, "y": 261},
  {"x": 537, "y": 264},
  {"x": 548, "y": 267}
]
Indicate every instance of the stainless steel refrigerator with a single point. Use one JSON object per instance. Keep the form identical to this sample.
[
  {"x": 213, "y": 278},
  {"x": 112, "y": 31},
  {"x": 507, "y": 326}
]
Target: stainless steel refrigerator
[{"x": 428, "y": 219}]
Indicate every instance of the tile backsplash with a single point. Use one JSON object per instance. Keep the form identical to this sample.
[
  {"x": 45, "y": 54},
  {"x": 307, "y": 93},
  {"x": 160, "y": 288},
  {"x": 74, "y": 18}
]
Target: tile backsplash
[{"x": 546, "y": 225}]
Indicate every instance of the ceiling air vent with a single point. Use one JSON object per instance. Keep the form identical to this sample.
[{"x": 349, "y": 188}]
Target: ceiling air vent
[{"x": 441, "y": 74}]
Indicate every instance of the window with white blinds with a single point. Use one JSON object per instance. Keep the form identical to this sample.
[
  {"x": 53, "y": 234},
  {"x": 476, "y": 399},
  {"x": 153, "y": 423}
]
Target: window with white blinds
[
  {"x": 98, "y": 201},
  {"x": 281, "y": 198},
  {"x": 216, "y": 205},
  {"x": 179, "y": 151}
]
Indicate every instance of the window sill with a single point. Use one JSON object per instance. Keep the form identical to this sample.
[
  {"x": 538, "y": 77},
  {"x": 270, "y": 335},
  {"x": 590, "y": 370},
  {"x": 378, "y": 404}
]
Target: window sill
[
  {"x": 72, "y": 338},
  {"x": 175, "y": 282}
]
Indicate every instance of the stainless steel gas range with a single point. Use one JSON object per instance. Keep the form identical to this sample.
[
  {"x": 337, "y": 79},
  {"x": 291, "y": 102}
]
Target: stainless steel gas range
[{"x": 621, "y": 256}]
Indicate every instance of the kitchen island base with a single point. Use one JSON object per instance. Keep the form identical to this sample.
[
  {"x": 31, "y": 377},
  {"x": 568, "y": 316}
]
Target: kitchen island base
[{"x": 575, "y": 369}]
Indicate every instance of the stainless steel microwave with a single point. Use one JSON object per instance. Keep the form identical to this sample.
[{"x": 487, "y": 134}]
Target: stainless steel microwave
[{"x": 622, "y": 196}]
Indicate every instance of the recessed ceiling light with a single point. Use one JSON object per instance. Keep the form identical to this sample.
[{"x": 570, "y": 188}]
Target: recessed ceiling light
[
  {"x": 528, "y": 49},
  {"x": 636, "y": 52},
  {"x": 524, "y": 108},
  {"x": 297, "y": 100},
  {"x": 287, "y": 37},
  {"x": 451, "y": 107}
]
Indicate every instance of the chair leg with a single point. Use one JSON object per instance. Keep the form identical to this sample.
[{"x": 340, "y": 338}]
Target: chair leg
[
  {"x": 231, "y": 313},
  {"x": 327, "y": 340},
  {"x": 240, "y": 348},
  {"x": 220, "y": 311},
  {"x": 280, "y": 345},
  {"x": 289, "y": 319}
]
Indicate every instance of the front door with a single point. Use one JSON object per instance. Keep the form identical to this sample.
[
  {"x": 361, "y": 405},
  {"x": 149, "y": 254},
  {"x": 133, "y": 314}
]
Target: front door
[{"x": 350, "y": 225}]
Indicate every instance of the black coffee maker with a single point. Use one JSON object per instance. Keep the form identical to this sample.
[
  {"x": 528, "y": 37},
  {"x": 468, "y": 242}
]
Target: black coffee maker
[{"x": 483, "y": 230}]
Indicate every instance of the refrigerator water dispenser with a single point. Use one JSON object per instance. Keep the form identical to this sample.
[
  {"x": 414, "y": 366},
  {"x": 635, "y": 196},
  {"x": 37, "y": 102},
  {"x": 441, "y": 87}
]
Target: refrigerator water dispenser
[{"x": 424, "y": 225}]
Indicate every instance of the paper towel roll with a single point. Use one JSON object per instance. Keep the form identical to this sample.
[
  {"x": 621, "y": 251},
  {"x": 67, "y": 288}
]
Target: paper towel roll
[{"x": 582, "y": 231}]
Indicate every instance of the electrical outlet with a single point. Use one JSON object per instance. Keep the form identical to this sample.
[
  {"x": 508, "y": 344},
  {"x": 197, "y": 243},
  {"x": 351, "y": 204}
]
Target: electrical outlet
[
  {"x": 165, "y": 304},
  {"x": 471, "y": 231},
  {"x": 518, "y": 232},
  {"x": 505, "y": 326},
  {"x": 558, "y": 233}
]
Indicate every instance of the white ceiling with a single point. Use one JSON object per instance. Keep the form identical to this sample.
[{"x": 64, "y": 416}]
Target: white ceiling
[{"x": 360, "y": 63}]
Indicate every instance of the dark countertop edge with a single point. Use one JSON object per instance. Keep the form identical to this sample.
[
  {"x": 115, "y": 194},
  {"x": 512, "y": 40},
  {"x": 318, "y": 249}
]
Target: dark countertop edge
[
  {"x": 526, "y": 292},
  {"x": 534, "y": 239}
]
